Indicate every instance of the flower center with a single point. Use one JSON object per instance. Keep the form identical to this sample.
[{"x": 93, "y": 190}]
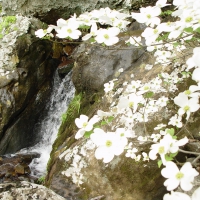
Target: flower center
[
  {"x": 155, "y": 31},
  {"x": 131, "y": 104},
  {"x": 161, "y": 150},
  {"x": 187, "y": 92},
  {"x": 188, "y": 19},
  {"x": 186, "y": 108},
  {"x": 69, "y": 30},
  {"x": 106, "y": 36},
  {"x": 85, "y": 124},
  {"x": 168, "y": 23},
  {"x": 146, "y": 87},
  {"x": 179, "y": 175},
  {"x": 108, "y": 143},
  {"x": 122, "y": 134},
  {"x": 149, "y": 16}
]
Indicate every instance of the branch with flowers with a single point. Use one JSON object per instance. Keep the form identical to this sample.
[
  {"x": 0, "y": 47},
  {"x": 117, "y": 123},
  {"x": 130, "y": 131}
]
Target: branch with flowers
[{"x": 135, "y": 102}]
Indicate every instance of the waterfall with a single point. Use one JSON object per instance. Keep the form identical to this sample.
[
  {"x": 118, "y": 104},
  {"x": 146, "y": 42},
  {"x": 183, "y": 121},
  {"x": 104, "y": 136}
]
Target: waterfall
[{"x": 62, "y": 93}]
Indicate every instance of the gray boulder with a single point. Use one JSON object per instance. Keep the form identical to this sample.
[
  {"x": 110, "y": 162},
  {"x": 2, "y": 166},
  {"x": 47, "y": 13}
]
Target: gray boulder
[
  {"x": 51, "y": 10},
  {"x": 24, "y": 190}
]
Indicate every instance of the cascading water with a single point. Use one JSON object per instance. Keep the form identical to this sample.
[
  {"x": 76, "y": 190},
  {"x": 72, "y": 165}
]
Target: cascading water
[{"x": 62, "y": 93}]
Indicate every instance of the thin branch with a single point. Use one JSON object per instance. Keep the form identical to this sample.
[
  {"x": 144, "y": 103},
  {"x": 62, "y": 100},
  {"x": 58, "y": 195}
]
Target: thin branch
[
  {"x": 189, "y": 152},
  {"x": 195, "y": 160}
]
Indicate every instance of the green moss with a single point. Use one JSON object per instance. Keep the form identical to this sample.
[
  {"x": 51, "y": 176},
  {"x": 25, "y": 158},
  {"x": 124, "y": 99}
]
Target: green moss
[
  {"x": 5, "y": 24},
  {"x": 41, "y": 180},
  {"x": 82, "y": 103},
  {"x": 73, "y": 108}
]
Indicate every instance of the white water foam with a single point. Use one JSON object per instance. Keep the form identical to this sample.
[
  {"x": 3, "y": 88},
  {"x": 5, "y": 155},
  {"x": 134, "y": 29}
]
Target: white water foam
[{"x": 62, "y": 93}]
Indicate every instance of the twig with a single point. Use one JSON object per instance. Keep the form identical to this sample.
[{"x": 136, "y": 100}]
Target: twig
[
  {"x": 195, "y": 160},
  {"x": 189, "y": 152}
]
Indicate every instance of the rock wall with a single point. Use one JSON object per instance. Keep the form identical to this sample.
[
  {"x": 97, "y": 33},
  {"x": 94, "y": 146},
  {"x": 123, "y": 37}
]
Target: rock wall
[
  {"x": 73, "y": 175},
  {"x": 25, "y": 190},
  {"x": 25, "y": 85},
  {"x": 51, "y": 10},
  {"x": 123, "y": 178}
]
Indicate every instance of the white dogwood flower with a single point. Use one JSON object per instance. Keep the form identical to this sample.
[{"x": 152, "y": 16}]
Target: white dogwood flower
[
  {"x": 184, "y": 176},
  {"x": 108, "y": 36},
  {"x": 148, "y": 15},
  {"x": 176, "y": 196},
  {"x": 108, "y": 144},
  {"x": 186, "y": 105},
  {"x": 162, "y": 3},
  {"x": 41, "y": 32},
  {"x": 196, "y": 76},
  {"x": 108, "y": 86},
  {"x": 182, "y": 196},
  {"x": 176, "y": 120},
  {"x": 84, "y": 125},
  {"x": 131, "y": 153},
  {"x": 82, "y": 122},
  {"x": 69, "y": 30},
  {"x": 93, "y": 32}
]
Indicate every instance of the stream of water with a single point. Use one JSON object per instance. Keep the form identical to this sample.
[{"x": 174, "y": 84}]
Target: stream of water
[{"x": 62, "y": 93}]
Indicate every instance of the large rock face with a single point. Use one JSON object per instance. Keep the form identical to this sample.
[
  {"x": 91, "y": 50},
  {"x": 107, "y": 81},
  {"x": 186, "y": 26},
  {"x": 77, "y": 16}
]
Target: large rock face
[
  {"x": 51, "y": 10},
  {"x": 25, "y": 84},
  {"x": 25, "y": 190},
  {"x": 123, "y": 178},
  {"x": 74, "y": 175},
  {"x": 95, "y": 65}
]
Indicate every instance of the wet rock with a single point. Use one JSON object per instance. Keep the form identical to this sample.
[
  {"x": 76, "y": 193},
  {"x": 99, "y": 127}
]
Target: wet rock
[
  {"x": 122, "y": 178},
  {"x": 16, "y": 167},
  {"x": 51, "y": 10},
  {"x": 25, "y": 93},
  {"x": 25, "y": 190},
  {"x": 95, "y": 64}
]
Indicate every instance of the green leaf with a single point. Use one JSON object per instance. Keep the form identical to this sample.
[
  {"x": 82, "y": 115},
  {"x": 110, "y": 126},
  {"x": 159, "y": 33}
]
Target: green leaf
[
  {"x": 197, "y": 30},
  {"x": 173, "y": 154},
  {"x": 188, "y": 30},
  {"x": 92, "y": 40},
  {"x": 110, "y": 119},
  {"x": 88, "y": 133},
  {"x": 168, "y": 157},
  {"x": 175, "y": 44},
  {"x": 159, "y": 163},
  {"x": 171, "y": 131},
  {"x": 174, "y": 137},
  {"x": 104, "y": 123},
  {"x": 148, "y": 94}
]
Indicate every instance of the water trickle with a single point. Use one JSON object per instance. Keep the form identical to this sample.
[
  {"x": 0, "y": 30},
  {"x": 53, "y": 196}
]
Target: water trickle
[{"x": 62, "y": 93}]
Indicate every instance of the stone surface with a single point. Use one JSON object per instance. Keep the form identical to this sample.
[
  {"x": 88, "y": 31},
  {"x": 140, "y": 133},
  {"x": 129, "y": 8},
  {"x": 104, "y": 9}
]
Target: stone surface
[
  {"x": 28, "y": 84},
  {"x": 95, "y": 64},
  {"x": 16, "y": 167},
  {"x": 27, "y": 191},
  {"x": 123, "y": 178},
  {"x": 51, "y": 10}
]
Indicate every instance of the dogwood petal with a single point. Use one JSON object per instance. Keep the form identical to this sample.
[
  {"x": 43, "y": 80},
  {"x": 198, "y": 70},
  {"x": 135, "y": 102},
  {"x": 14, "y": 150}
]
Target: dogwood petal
[
  {"x": 98, "y": 137},
  {"x": 186, "y": 184},
  {"x": 182, "y": 141},
  {"x": 79, "y": 134},
  {"x": 196, "y": 194},
  {"x": 176, "y": 196},
  {"x": 170, "y": 170},
  {"x": 171, "y": 183},
  {"x": 181, "y": 100}
]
